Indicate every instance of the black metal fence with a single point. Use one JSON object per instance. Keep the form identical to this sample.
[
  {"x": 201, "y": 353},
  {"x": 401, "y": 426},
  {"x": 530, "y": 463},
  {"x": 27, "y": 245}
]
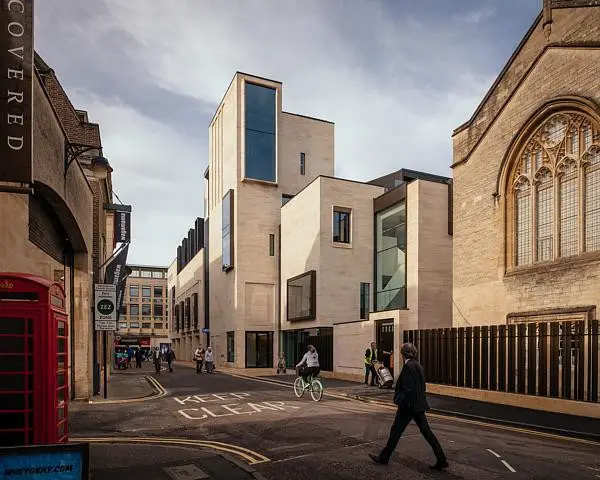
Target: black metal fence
[{"x": 550, "y": 359}]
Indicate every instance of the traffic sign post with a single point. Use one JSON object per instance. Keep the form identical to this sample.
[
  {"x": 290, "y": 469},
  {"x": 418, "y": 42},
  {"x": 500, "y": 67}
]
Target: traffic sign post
[{"x": 105, "y": 318}]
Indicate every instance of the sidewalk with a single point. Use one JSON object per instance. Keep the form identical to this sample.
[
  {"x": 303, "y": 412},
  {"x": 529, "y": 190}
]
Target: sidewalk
[
  {"x": 556, "y": 423},
  {"x": 130, "y": 384}
]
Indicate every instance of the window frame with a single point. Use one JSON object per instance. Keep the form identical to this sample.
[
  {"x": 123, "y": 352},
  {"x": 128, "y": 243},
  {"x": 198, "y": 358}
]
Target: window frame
[
  {"x": 337, "y": 210},
  {"x": 231, "y": 343},
  {"x": 228, "y": 232},
  {"x": 302, "y": 163},
  {"x": 312, "y": 313},
  {"x": 364, "y": 300}
]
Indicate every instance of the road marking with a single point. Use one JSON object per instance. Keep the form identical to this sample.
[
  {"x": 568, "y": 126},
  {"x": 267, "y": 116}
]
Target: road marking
[
  {"x": 594, "y": 469},
  {"x": 292, "y": 458},
  {"x": 160, "y": 392},
  {"x": 289, "y": 447},
  {"x": 508, "y": 466},
  {"x": 494, "y": 453},
  {"x": 250, "y": 456}
]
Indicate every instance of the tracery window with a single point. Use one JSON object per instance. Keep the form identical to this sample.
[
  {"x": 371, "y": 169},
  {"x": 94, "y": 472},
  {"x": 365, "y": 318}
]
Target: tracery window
[{"x": 555, "y": 191}]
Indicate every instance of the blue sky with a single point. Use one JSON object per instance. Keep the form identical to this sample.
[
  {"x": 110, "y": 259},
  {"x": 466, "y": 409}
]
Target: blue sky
[{"x": 396, "y": 77}]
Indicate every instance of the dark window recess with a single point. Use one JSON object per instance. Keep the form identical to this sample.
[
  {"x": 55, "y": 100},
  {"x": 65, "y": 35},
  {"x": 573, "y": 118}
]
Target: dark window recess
[
  {"x": 302, "y": 163},
  {"x": 177, "y": 319},
  {"x": 134, "y": 310},
  {"x": 285, "y": 198},
  {"x": 158, "y": 291},
  {"x": 45, "y": 229},
  {"x": 364, "y": 300},
  {"x": 259, "y": 349},
  {"x": 301, "y": 296},
  {"x": 231, "y": 346},
  {"x": 227, "y": 231},
  {"x": 196, "y": 311},
  {"x": 271, "y": 245},
  {"x": 341, "y": 226},
  {"x": 187, "y": 320},
  {"x": 146, "y": 325},
  {"x": 146, "y": 309},
  {"x": 158, "y": 310},
  {"x": 260, "y": 132}
]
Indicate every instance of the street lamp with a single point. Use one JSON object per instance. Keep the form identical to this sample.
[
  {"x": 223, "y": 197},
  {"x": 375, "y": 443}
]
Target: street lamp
[{"x": 101, "y": 167}]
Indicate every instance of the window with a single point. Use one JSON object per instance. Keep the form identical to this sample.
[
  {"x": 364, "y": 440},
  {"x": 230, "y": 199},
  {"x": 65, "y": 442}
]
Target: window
[
  {"x": 146, "y": 292},
  {"x": 341, "y": 225},
  {"x": 134, "y": 325},
  {"x": 195, "y": 310},
  {"x": 122, "y": 325},
  {"x": 259, "y": 349},
  {"x": 271, "y": 245},
  {"x": 301, "y": 297},
  {"x": 134, "y": 291},
  {"x": 158, "y": 275},
  {"x": 186, "y": 313},
  {"x": 364, "y": 300},
  {"x": 158, "y": 291},
  {"x": 260, "y": 116},
  {"x": 227, "y": 224},
  {"x": 134, "y": 310},
  {"x": 554, "y": 194},
  {"x": 158, "y": 310},
  {"x": 146, "y": 274},
  {"x": 390, "y": 265},
  {"x": 302, "y": 163},
  {"x": 146, "y": 325},
  {"x": 231, "y": 346},
  {"x": 177, "y": 318},
  {"x": 158, "y": 326},
  {"x": 285, "y": 198},
  {"x": 146, "y": 309}
]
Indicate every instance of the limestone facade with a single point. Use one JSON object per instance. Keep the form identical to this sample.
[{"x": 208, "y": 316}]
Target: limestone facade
[{"x": 544, "y": 264}]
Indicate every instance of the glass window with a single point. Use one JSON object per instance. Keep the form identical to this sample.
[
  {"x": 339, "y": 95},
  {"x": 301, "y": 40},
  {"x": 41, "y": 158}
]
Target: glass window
[
  {"x": 302, "y": 163},
  {"x": 523, "y": 223},
  {"x": 158, "y": 291},
  {"x": 146, "y": 310},
  {"x": 134, "y": 310},
  {"x": 134, "y": 291},
  {"x": 134, "y": 324},
  {"x": 158, "y": 309},
  {"x": 260, "y": 132},
  {"x": 146, "y": 292},
  {"x": 285, "y": 198},
  {"x": 227, "y": 206},
  {"x": 545, "y": 217},
  {"x": 592, "y": 201},
  {"x": 271, "y": 245},
  {"x": 230, "y": 346},
  {"x": 122, "y": 325},
  {"x": 390, "y": 267},
  {"x": 146, "y": 325},
  {"x": 158, "y": 325},
  {"x": 259, "y": 349},
  {"x": 364, "y": 300},
  {"x": 341, "y": 225},
  {"x": 146, "y": 274},
  {"x": 301, "y": 301},
  {"x": 157, "y": 274}
]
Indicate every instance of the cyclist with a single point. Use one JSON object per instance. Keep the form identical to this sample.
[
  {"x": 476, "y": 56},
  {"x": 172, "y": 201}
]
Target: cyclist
[{"x": 311, "y": 362}]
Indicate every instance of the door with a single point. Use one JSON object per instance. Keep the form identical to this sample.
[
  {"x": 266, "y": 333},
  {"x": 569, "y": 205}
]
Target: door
[
  {"x": 259, "y": 349},
  {"x": 62, "y": 374},
  {"x": 385, "y": 341}
]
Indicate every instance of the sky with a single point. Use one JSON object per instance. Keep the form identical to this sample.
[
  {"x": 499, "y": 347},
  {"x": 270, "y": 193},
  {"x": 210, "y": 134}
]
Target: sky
[{"x": 395, "y": 76}]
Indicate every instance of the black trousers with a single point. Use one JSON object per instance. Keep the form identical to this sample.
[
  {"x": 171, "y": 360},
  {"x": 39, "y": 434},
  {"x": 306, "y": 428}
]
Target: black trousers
[
  {"x": 138, "y": 364},
  {"x": 401, "y": 421},
  {"x": 199, "y": 366},
  {"x": 306, "y": 371}
]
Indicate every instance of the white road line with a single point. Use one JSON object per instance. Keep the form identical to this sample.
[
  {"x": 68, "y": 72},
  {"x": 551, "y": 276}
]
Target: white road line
[
  {"x": 594, "y": 469},
  {"x": 508, "y": 466},
  {"x": 289, "y": 447},
  {"x": 493, "y": 453},
  {"x": 292, "y": 458}
]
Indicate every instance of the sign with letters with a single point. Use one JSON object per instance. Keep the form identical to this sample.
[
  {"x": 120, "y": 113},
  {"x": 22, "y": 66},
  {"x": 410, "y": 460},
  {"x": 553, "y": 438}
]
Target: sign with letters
[
  {"x": 106, "y": 306},
  {"x": 122, "y": 227},
  {"x": 45, "y": 462},
  {"x": 16, "y": 91}
]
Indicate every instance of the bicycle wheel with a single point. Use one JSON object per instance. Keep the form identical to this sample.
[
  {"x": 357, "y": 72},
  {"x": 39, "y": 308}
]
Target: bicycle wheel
[
  {"x": 316, "y": 390},
  {"x": 299, "y": 387}
]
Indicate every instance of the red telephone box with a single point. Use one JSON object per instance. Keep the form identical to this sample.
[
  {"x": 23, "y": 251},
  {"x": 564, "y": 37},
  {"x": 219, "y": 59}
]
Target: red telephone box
[{"x": 34, "y": 386}]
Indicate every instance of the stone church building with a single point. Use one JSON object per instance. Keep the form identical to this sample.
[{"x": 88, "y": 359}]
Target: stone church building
[{"x": 526, "y": 171}]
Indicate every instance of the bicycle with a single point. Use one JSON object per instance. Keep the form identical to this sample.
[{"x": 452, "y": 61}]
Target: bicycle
[{"x": 314, "y": 386}]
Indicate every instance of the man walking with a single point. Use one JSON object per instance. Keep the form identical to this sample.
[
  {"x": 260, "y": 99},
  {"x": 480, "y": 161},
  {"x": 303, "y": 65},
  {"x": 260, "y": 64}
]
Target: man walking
[
  {"x": 138, "y": 358},
  {"x": 169, "y": 357},
  {"x": 412, "y": 405}
]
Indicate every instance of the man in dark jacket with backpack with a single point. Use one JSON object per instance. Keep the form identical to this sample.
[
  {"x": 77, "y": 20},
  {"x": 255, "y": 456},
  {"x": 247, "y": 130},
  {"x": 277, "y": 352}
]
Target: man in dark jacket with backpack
[{"x": 412, "y": 405}]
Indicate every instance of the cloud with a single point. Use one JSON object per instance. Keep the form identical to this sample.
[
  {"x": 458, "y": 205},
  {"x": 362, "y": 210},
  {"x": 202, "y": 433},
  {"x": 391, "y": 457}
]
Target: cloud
[{"x": 395, "y": 77}]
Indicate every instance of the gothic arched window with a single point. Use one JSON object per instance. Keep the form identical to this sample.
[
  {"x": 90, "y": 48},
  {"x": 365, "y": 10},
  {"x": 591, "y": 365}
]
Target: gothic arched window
[{"x": 555, "y": 191}]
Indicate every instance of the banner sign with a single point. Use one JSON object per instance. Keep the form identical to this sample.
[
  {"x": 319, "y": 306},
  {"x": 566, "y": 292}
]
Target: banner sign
[
  {"x": 56, "y": 462},
  {"x": 105, "y": 301},
  {"x": 116, "y": 274},
  {"x": 122, "y": 227},
  {"x": 16, "y": 90}
]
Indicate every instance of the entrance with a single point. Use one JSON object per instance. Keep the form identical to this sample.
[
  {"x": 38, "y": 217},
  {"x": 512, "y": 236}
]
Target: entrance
[
  {"x": 385, "y": 341},
  {"x": 259, "y": 349}
]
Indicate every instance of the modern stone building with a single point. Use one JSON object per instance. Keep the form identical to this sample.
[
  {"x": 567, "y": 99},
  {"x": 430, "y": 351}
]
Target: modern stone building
[
  {"x": 60, "y": 231},
  {"x": 290, "y": 254},
  {"x": 143, "y": 319},
  {"x": 527, "y": 179}
]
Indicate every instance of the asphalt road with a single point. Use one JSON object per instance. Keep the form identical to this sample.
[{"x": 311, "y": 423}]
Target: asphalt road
[{"x": 291, "y": 439}]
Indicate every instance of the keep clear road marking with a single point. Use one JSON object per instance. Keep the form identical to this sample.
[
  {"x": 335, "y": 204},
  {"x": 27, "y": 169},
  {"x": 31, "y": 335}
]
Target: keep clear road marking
[
  {"x": 504, "y": 462},
  {"x": 250, "y": 456},
  {"x": 229, "y": 409}
]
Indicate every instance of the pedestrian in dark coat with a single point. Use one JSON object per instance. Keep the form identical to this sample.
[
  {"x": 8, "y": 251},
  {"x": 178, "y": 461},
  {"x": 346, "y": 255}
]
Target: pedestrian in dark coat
[
  {"x": 138, "y": 358},
  {"x": 169, "y": 357},
  {"x": 412, "y": 405}
]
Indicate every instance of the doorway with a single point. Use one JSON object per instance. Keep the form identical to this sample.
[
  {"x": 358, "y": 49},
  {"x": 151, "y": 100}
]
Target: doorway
[
  {"x": 385, "y": 341},
  {"x": 259, "y": 349}
]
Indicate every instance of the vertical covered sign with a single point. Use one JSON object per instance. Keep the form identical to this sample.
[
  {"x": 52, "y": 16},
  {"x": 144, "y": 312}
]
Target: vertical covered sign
[
  {"x": 16, "y": 91},
  {"x": 122, "y": 226},
  {"x": 116, "y": 272}
]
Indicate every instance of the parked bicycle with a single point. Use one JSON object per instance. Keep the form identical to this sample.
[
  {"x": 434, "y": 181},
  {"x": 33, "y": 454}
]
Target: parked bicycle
[{"x": 313, "y": 385}]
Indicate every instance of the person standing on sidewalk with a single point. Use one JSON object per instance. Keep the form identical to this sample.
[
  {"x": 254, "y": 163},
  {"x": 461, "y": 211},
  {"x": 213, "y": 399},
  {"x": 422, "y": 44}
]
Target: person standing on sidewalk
[
  {"x": 156, "y": 357},
  {"x": 138, "y": 358},
  {"x": 209, "y": 359},
  {"x": 169, "y": 357},
  {"x": 371, "y": 354},
  {"x": 412, "y": 405},
  {"x": 199, "y": 358}
]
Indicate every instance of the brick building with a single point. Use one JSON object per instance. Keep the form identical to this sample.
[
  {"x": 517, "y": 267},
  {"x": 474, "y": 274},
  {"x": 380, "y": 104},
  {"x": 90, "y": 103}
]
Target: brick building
[
  {"x": 527, "y": 179},
  {"x": 60, "y": 230}
]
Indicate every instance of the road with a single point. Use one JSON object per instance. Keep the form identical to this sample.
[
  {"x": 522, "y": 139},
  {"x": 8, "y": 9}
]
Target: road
[{"x": 287, "y": 438}]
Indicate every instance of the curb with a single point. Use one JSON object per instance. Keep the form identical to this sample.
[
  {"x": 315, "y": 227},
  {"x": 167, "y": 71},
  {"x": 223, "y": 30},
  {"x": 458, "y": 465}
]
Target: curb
[
  {"x": 452, "y": 414},
  {"x": 158, "y": 392}
]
